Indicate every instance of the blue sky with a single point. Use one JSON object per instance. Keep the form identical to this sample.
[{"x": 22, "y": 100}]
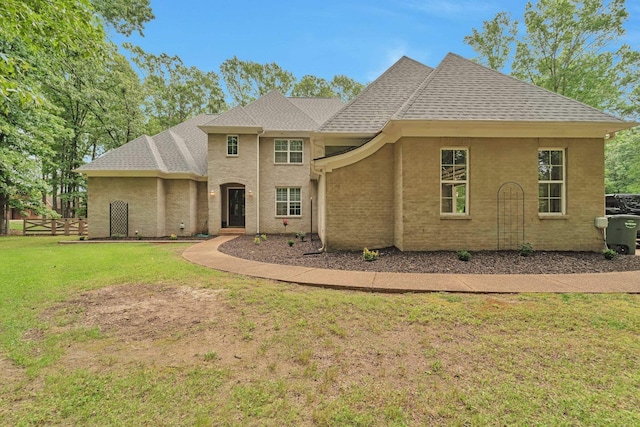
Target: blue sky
[{"x": 360, "y": 39}]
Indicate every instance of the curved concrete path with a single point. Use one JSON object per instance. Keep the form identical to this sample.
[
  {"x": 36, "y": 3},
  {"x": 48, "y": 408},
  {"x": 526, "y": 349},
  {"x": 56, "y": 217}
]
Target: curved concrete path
[{"x": 207, "y": 254}]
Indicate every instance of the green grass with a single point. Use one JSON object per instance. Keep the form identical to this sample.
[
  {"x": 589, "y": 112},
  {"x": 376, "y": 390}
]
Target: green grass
[
  {"x": 292, "y": 355},
  {"x": 16, "y": 224}
]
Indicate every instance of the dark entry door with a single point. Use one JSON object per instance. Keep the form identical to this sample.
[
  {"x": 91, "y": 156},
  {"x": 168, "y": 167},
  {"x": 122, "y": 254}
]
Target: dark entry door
[{"x": 236, "y": 207}]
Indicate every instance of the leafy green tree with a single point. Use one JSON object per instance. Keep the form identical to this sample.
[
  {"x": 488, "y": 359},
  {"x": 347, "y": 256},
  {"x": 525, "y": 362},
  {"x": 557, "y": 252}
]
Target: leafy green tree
[
  {"x": 312, "y": 86},
  {"x": 246, "y": 81},
  {"x": 622, "y": 163},
  {"x": 495, "y": 42},
  {"x": 99, "y": 102},
  {"x": 125, "y": 16},
  {"x": 345, "y": 87},
  {"x": 173, "y": 91}
]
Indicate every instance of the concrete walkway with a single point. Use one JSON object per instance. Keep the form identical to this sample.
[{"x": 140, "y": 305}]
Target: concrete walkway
[{"x": 207, "y": 254}]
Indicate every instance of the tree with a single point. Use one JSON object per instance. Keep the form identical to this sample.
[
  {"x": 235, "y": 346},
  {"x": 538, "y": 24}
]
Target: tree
[
  {"x": 312, "y": 86},
  {"x": 99, "y": 102},
  {"x": 622, "y": 163},
  {"x": 345, "y": 87},
  {"x": 246, "y": 81},
  {"x": 125, "y": 16},
  {"x": 494, "y": 43},
  {"x": 173, "y": 91}
]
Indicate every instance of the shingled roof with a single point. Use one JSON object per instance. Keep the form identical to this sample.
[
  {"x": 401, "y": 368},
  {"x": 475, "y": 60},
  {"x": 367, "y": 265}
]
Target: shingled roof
[
  {"x": 180, "y": 149},
  {"x": 375, "y": 105},
  {"x": 275, "y": 112},
  {"x": 458, "y": 89}
]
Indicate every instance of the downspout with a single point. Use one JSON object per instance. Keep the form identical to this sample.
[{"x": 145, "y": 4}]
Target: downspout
[
  {"x": 258, "y": 180},
  {"x": 321, "y": 173}
]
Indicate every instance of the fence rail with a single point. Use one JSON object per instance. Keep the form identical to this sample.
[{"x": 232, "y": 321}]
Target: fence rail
[{"x": 54, "y": 227}]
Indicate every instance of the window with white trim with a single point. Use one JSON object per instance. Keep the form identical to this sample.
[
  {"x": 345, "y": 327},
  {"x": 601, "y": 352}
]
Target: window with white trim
[
  {"x": 288, "y": 201},
  {"x": 232, "y": 145},
  {"x": 551, "y": 177},
  {"x": 454, "y": 197},
  {"x": 288, "y": 150}
]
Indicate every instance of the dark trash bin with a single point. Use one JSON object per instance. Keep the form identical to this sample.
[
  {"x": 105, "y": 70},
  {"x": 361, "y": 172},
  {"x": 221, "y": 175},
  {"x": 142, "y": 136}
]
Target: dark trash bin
[{"x": 622, "y": 233}]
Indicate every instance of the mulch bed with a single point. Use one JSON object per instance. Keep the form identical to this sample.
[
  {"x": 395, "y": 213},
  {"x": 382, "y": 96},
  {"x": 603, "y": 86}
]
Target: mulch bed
[{"x": 275, "y": 250}]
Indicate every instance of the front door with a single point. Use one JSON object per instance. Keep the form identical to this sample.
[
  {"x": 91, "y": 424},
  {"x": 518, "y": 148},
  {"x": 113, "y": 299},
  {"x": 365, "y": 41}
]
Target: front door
[{"x": 236, "y": 207}]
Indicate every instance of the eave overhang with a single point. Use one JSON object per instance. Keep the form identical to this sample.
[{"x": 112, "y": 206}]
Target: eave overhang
[
  {"x": 141, "y": 174},
  {"x": 231, "y": 129}
]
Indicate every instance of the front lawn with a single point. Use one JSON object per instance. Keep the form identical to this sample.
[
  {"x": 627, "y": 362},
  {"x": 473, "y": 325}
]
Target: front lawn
[{"x": 131, "y": 334}]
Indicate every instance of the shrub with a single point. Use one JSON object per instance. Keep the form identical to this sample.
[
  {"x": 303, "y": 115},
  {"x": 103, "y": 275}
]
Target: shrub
[
  {"x": 263, "y": 236},
  {"x": 526, "y": 249},
  {"x": 290, "y": 242},
  {"x": 256, "y": 241},
  {"x": 173, "y": 237},
  {"x": 609, "y": 254},
  {"x": 368, "y": 255},
  {"x": 463, "y": 255}
]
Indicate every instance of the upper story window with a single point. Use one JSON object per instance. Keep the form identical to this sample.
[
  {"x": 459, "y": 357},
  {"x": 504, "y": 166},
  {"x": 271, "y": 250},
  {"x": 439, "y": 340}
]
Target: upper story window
[
  {"x": 232, "y": 145},
  {"x": 288, "y": 151},
  {"x": 454, "y": 197},
  {"x": 551, "y": 178}
]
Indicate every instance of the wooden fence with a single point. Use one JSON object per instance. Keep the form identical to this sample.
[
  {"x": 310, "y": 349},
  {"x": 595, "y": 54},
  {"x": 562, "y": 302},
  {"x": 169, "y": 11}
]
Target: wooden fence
[{"x": 54, "y": 227}]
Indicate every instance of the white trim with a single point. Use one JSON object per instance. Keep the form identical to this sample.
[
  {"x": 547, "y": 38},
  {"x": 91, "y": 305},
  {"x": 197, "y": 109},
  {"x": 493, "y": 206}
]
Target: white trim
[
  {"x": 563, "y": 191},
  {"x": 453, "y": 181},
  {"x": 237, "y": 146}
]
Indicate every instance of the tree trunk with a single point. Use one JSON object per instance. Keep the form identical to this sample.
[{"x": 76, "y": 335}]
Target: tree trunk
[{"x": 4, "y": 215}]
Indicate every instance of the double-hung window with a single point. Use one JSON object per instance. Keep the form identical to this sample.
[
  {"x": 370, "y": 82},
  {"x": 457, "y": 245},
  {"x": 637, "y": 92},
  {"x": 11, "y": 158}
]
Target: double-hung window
[
  {"x": 288, "y": 151},
  {"x": 551, "y": 177},
  {"x": 232, "y": 145},
  {"x": 288, "y": 201},
  {"x": 454, "y": 194}
]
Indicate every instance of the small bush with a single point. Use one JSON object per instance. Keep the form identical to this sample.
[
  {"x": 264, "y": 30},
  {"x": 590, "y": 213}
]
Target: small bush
[
  {"x": 173, "y": 237},
  {"x": 263, "y": 236},
  {"x": 609, "y": 254},
  {"x": 526, "y": 249},
  {"x": 368, "y": 255},
  {"x": 463, "y": 255},
  {"x": 256, "y": 241},
  {"x": 290, "y": 242}
]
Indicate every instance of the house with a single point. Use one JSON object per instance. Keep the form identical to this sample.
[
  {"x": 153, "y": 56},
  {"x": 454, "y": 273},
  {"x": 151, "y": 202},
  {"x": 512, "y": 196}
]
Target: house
[{"x": 456, "y": 157}]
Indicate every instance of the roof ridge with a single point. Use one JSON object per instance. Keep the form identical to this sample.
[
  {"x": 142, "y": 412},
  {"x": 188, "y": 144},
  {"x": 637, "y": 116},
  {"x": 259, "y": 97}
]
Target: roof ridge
[
  {"x": 414, "y": 96},
  {"x": 533, "y": 85},
  {"x": 184, "y": 151},
  {"x": 300, "y": 109},
  {"x": 372, "y": 84},
  {"x": 157, "y": 159}
]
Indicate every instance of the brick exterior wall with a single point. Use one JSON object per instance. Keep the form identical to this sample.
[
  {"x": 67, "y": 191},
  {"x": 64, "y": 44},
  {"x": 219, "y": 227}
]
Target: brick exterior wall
[
  {"x": 156, "y": 206},
  {"x": 360, "y": 203},
  {"x": 412, "y": 168},
  {"x": 240, "y": 171}
]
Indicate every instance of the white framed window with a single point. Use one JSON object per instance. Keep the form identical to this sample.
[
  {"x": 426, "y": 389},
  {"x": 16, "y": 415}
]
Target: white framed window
[
  {"x": 232, "y": 145},
  {"x": 288, "y": 201},
  {"x": 551, "y": 179},
  {"x": 288, "y": 151},
  {"x": 454, "y": 173}
]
